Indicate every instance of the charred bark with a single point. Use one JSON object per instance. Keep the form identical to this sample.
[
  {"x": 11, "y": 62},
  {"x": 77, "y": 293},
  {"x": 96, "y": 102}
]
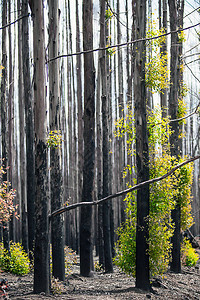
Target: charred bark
[
  {"x": 57, "y": 238},
  {"x": 29, "y": 129},
  {"x": 89, "y": 141},
  {"x": 41, "y": 253},
  {"x": 142, "y": 151}
]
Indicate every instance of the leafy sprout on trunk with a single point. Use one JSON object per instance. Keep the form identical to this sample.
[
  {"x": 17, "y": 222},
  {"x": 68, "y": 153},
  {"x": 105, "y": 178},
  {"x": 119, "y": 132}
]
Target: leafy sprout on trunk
[{"x": 54, "y": 139}]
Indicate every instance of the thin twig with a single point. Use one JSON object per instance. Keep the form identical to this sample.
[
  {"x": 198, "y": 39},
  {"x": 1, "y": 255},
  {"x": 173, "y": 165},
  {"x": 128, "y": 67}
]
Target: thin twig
[
  {"x": 116, "y": 16},
  {"x": 183, "y": 118},
  {"x": 124, "y": 192},
  {"x": 191, "y": 12},
  {"x": 192, "y": 72}
]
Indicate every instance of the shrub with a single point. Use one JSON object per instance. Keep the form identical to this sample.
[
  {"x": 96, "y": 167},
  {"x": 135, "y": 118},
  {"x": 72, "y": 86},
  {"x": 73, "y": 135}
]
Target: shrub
[
  {"x": 98, "y": 267},
  {"x": 57, "y": 286},
  {"x": 70, "y": 259},
  {"x": 17, "y": 262},
  {"x": 188, "y": 254}
]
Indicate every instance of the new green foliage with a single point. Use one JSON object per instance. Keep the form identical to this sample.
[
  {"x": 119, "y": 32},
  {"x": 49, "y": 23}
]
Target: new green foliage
[
  {"x": 162, "y": 195},
  {"x": 16, "y": 262},
  {"x": 189, "y": 255}
]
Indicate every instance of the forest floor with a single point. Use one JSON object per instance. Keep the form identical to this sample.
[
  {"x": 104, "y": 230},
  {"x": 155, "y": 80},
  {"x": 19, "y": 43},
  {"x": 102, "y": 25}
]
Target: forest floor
[{"x": 111, "y": 286}]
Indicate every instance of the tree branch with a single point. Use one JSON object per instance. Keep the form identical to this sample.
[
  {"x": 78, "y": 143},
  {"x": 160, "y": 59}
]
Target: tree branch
[
  {"x": 183, "y": 118},
  {"x": 120, "y": 45},
  {"x": 11, "y": 23},
  {"x": 192, "y": 72},
  {"x": 124, "y": 192}
]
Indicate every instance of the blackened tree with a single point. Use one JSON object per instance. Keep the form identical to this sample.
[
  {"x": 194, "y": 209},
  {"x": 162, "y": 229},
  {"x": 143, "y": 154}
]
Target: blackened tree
[
  {"x": 89, "y": 141},
  {"x": 142, "y": 151},
  {"x": 41, "y": 253}
]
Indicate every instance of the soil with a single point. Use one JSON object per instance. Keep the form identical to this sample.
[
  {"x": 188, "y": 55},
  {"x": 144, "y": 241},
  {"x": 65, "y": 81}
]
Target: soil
[{"x": 111, "y": 286}]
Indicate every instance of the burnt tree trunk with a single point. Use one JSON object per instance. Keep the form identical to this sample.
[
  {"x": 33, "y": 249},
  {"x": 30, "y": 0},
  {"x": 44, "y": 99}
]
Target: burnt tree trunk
[
  {"x": 29, "y": 120},
  {"x": 4, "y": 120},
  {"x": 89, "y": 141},
  {"x": 175, "y": 141},
  {"x": 80, "y": 112},
  {"x": 142, "y": 151},
  {"x": 105, "y": 152},
  {"x": 57, "y": 238},
  {"x": 41, "y": 253},
  {"x": 24, "y": 222}
]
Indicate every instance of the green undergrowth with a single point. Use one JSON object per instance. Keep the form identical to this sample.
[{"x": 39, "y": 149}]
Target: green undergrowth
[
  {"x": 188, "y": 254},
  {"x": 164, "y": 195},
  {"x": 17, "y": 262}
]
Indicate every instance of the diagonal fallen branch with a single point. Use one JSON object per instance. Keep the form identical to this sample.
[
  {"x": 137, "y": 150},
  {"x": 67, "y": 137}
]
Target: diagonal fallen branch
[{"x": 124, "y": 192}]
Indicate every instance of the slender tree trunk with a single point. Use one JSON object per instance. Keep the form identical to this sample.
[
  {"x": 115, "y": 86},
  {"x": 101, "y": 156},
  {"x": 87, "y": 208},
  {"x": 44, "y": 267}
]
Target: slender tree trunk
[
  {"x": 67, "y": 153},
  {"x": 41, "y": 253},
  {"x": 80, "y": 112},
  {"x": 4, "y": 129},
  {"x": 29, "y": 120},
  {"x": 121, "y": 113},
  {"x": 10, "y": 111},
  {"x": 105, "y": 152},
  {"x": 142, "y": 152},
  {"x": 99, "y": 175},
  {"x": 58, "y": 261},
  {"x": 72, "y": 124},
  {"x": 15, "y": 134},
  {"x": 10, "y": 96},
  {"x": 129, "y": 83},
  {"x": 175, "y": 142},
  {"x": 24, "y": 222},
  {"x": 89, "y": 141}
]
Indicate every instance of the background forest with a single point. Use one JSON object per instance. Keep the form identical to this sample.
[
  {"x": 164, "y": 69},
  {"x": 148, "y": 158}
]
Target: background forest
[{"x": 97, "y": 96}]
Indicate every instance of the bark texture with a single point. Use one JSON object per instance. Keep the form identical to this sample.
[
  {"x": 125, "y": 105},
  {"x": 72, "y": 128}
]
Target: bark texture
[
  {"x": 24, "y": 223},
  {"x": 105, "y": 152},
  {"x": 41, "y": 253},
  {"x": 29, "y": 120},
  {"x": 57, "y": 237},
  {"x": 4, "y": 119},
  {"x": 89, "y": 141},
  {"x": 142, "y": 151},
  {"x": 175, "y": 142}
]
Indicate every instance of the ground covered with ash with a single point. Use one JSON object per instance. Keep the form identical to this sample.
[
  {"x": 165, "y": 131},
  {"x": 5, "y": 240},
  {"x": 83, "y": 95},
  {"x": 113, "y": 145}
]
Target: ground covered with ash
[{"x": 110, "y": 286}]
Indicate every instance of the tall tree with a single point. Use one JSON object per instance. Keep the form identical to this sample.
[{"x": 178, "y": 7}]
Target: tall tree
[
  {"x": 57, "y": 237},
  {"x": 105, "y": 142},
  {"x": 175, "y": 141},
  {"x": 4, "y": 119},
  {"x": 80, "y": 108},
  {"x": 142, "y": 151},
  {"x": 41, "y": 253},
  {"x": 29, "y": 120},
  {"x": 99, "y": 175},
  {"x": 89, "y": 141},
  {"x": 24, "y": 223},
  {"x": 10, "y": 111},
  {"x": 10, "y": 97},
  {"x": 121, "y": 145}
]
